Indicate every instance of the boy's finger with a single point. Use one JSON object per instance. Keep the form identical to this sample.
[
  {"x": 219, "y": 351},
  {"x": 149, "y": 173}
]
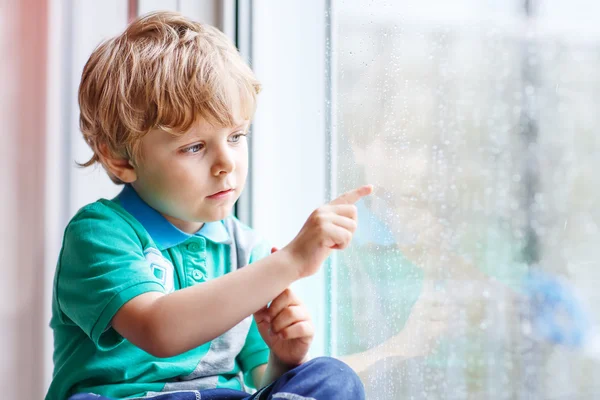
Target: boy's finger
[
  {"x": 354, "y": 195},
  {"x": 262, "y": 315},
  {"x": 285, "y": 299},
  {"x": 303, "y": 329},
  {"x": 344, "y": 222},
  {"x": 339, "y": 237},
  {"x": 289, "y": 316},
  {"x": 346, "y": 210}
]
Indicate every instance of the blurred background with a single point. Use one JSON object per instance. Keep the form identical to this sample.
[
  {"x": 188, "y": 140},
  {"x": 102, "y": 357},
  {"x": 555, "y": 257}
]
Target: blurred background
[{"x": 474, "y": 271}]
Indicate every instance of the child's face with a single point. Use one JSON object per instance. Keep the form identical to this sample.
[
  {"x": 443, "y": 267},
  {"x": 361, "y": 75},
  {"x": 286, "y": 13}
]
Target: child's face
[{"x": 179, "y": 176}]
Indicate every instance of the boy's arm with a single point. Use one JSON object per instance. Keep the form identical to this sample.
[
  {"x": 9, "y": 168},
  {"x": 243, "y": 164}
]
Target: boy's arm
[
  {"x": 168, "y": 325},
  {"x": 257, "y": 375}
]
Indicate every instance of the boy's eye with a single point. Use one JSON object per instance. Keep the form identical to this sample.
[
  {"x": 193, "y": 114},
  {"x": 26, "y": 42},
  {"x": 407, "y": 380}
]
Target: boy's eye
[
  {"x": 194, "y": 149},
  {"x": 236, "y": 137}
]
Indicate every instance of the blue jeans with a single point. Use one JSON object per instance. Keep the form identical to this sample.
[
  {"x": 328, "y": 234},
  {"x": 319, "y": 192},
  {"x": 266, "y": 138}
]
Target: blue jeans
[{"x": 323, "y": 378}]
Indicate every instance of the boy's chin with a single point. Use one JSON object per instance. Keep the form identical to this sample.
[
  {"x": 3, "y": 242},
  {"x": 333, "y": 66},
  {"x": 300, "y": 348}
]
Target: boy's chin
[{"x": 217, "y": 215}]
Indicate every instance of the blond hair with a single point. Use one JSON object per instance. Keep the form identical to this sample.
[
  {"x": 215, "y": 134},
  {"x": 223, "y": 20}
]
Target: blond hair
[{"x": 164, "y": 71}]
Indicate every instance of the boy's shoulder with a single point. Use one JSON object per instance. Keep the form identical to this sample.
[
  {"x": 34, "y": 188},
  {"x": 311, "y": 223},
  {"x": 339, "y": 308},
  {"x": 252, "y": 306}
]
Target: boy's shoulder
[
  {"x": 103, "y": 219},
  {"x": 102, "y": 209}
]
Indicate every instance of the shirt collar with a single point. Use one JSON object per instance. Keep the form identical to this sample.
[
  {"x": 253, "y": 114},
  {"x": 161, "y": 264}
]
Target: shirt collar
[{"x": 164, "y": 233}]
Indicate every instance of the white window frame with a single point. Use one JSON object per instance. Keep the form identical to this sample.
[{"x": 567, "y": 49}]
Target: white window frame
[{"x": 291, "y": 168}]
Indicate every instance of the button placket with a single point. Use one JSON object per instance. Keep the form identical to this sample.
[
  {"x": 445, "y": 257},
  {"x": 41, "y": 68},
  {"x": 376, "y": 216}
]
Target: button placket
[
  {"x": 193, "y": 247},
  {"x": 197, "y": 275},
  {"x": 196, "y": 261}
]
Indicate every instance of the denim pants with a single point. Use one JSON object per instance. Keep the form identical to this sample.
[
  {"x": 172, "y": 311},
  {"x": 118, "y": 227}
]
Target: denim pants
[{"x": 323, "y": 378}]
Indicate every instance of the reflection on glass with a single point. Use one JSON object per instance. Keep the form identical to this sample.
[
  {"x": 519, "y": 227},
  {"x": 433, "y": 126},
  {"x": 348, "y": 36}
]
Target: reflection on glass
[{"x": 473, "y": 274}]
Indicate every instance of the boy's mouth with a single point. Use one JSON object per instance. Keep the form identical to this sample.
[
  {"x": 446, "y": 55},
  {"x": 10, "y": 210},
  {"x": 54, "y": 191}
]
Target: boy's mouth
[{"x": 220, "y": 194}]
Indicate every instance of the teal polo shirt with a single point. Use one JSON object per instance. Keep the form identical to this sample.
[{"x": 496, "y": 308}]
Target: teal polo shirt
[{"x": 115, "y": 250}]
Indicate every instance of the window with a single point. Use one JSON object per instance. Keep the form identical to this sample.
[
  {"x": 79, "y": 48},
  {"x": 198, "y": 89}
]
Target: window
[{"x": 473, "y": 271}]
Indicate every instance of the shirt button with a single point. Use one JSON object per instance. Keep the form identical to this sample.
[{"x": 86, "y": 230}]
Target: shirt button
[
  {"x": 197, "y": 275},
  {"x": 193, "y": 247}
]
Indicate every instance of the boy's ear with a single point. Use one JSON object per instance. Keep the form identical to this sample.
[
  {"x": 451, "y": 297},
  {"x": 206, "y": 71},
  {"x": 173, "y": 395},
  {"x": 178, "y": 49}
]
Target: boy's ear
[{"x": 122, "y": 168}]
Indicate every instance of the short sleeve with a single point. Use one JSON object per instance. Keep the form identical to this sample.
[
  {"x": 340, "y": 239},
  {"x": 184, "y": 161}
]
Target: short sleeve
[
  {"x": 102, "y": 266},
  {"x": 255, "y": 351}
]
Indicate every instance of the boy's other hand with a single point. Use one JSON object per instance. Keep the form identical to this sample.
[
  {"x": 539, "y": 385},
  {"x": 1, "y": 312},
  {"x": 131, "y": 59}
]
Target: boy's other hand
[
  {"x": 328, "y": 228},
  {"x": 287, "y": 329}
]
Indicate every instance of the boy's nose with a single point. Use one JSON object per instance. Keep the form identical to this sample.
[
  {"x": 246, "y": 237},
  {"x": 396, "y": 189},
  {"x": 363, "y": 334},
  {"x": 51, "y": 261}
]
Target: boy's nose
[{"x": 224, "y": 164}]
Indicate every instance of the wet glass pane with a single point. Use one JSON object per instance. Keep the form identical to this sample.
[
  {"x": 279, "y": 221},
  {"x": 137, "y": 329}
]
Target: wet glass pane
[{"x": 474, "y": 271}]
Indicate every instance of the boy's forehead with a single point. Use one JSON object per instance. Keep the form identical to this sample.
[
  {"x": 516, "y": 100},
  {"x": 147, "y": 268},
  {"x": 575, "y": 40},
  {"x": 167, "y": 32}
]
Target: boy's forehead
[
  {"x": 204, "y": 124},
  {"x": 202, "y": 127}
]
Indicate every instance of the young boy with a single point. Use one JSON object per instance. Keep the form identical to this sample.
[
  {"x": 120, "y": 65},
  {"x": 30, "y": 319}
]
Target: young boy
[{"x": 155, "y": 291}]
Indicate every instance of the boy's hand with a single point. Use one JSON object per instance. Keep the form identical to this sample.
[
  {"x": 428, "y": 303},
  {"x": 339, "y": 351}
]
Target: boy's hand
[
  {"x": 328, "y": 228},
  {"x": 286, "y": 328}
]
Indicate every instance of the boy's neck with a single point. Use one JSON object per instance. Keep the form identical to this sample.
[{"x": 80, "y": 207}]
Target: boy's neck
[{"x": 190, "y": 227}]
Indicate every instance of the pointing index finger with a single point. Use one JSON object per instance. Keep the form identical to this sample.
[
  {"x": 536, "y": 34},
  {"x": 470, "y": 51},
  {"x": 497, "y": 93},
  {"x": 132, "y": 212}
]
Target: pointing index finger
[{"x": 353, "y": 195}]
